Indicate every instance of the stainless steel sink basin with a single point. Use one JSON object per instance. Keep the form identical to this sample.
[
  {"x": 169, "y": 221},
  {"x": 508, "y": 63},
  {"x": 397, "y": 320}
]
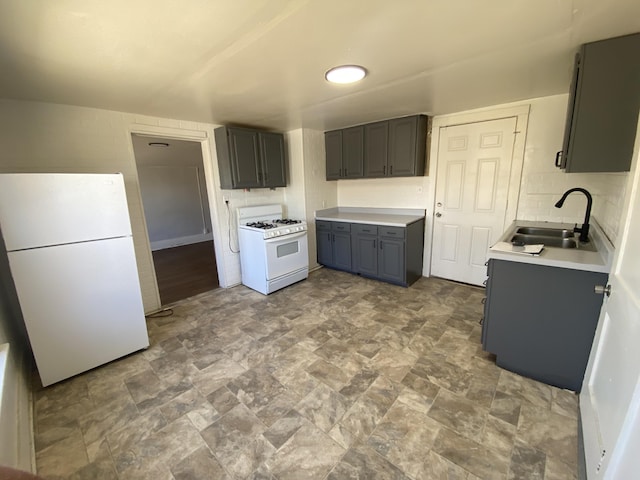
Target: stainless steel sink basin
[
  {"x": 548, "y": 241},
  {"x": 547, "y": 232}
]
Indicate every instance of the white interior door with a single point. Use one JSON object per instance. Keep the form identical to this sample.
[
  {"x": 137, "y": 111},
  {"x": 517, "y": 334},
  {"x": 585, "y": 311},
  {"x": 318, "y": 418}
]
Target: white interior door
[
  {"x": 472, "y": 186},
  {"x": 610, "y": 397}
]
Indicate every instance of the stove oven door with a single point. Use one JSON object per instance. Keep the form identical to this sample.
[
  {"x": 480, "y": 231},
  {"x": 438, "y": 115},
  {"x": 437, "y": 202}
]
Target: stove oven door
[{"x": 286, "y": 255}]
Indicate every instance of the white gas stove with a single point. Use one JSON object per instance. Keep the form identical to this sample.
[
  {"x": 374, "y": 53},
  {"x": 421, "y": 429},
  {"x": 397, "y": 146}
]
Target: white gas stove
[{"x": 273, "y": 250}]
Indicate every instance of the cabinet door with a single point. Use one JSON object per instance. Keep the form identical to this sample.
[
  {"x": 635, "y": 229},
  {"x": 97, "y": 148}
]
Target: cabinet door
[
  {"x": 272, "y": 154},
  {"x": 364, "y": 252},
  {"x": 342, "y": 250},
  {"x": 353, "y": 152},
  {"x": 406, "y": 150},
  {"x": 324, "y": 243},
  {"x": 605, "y": 105},
  {"x": 376, "y": 141},
  {"x": 244, "y": 153},
  {"x": 333, "y": 151},
  {"x": 391, "y": 260}
]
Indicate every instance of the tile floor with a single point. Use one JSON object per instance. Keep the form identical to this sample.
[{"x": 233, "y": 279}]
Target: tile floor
[{"x": 336, "y": 377}]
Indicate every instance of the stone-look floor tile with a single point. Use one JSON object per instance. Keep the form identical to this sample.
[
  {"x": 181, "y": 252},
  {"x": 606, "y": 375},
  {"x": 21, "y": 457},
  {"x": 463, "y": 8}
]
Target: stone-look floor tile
[
  {"x": 499, "y": 435},
  {"x": 505, "y": 407},
  {"x": 328, "y": 374},
  {"x": 237, "y": 442},
  {"x": 358, "y": 384},
  {"x": 402, "y": 438},
  {"x": 362, "y": 463},
  {"x": 63, "y": 458},
  {"x": 527, "y": 389},
  {"x": 222, "y": 400},
  {"x": 134, "y": 432},
  {"x": 173, "y": 366},
  {"x": 256, "y": 388},
  {"x": 298, "y": 382},
  {"x": 299, "y": 456},
  {"x": 323, "y": 407},
  {"x": 393, "y": 364},
  {"x": 283, "y": 428},
  {"x": 459, "y": 414},
  {"x": 556, "y": 469},
  {"x": 200, "y": 464},
  {"x": 550, "y": 432},
  {"x": 436, "y": 467},
  {"x": 526, "y": 462},
  {"x": 183, "y": 404},
  {"x": 49, "y": 436},
  {"x": 168, "y": 446},
  {"x": 216, "y": 375},
  {"x": 477, "y": 459},
  {"x": 415, "y": 401},
  {"x": 564, "y": 402},
  {"x": 106, "y": 420},
  {"x": 100, "y": 465},
  {"x": 443, "y": 374},
  {"x": 275, "y": 409}
]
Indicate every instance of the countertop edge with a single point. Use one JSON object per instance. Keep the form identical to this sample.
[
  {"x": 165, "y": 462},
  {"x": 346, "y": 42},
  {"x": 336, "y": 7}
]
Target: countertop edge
[{"x": 390, "y": 217}]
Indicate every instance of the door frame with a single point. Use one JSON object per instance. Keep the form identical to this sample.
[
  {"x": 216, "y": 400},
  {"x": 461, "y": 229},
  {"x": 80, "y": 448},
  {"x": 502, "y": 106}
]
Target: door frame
[
  {"x": 204, "y": 137},
  {"x": 521, "y": 113}
]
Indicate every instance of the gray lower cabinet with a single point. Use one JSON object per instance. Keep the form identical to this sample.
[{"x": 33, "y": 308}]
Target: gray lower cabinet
[
  {"x": 250, "y": 158},
  {"x": 334, "y": 244},
  {"x": 391, "y": 254},
  {"x": 540, "y": 321}
]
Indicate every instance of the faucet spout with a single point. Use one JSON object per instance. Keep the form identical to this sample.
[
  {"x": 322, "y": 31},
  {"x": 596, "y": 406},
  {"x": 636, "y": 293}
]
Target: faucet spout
[{"x": 584, "y": 229}]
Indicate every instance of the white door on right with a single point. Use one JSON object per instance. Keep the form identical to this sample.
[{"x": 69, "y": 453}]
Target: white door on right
[
  {"x": 472, "y": 186},
  {"x": 610, "y": 396}
]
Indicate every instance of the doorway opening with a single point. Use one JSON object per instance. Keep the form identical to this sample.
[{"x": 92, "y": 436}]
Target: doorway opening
[{"x": 177, "y": 215}]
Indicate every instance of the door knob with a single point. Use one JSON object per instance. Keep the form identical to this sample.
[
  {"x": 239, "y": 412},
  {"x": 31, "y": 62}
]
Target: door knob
[
  {"x": 439, "y": 204},
  {"x": 438, "y": 214},
  {"x": 602, "y": 290}
]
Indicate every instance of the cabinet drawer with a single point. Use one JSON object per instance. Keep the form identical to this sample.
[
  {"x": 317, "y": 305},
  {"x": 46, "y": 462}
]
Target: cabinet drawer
[
  {"x": 323, "y": 225},
  {"x": 394, "y": 232},
  {"x": 364, "y": 229},
  {"x": 341, "y": 227}
]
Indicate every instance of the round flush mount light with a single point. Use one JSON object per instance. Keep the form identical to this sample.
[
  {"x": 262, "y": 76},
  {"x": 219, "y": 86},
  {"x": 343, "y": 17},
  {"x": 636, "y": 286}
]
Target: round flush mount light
[
  {"x": 158, "y": 144},
  {"x": 345, "y": 74}
]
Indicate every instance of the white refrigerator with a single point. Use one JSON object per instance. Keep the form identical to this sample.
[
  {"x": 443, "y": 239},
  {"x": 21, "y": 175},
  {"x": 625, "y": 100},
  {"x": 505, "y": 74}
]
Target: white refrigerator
[{"x": 70, "y": 252}]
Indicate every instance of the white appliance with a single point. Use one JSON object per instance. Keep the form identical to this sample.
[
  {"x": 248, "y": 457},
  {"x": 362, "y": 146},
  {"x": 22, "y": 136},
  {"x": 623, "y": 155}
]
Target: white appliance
[
  {"x": 70, "y": 251},
  {"x": 274, "y": 252}
]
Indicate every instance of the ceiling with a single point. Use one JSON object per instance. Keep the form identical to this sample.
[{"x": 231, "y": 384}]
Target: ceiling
[{"x": 262, "y": 62}]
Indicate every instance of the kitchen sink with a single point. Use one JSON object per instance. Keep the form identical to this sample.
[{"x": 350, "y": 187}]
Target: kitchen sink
[
  {"x": 548, "y": 241},
  {"x": 547, "y": 232}
]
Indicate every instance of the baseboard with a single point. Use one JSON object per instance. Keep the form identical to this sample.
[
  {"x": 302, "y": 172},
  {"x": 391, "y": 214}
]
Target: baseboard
[{"x": 178, "y": 242}]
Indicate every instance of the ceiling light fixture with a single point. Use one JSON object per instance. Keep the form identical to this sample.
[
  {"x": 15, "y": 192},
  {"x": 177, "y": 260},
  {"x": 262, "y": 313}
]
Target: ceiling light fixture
[
  {"x": 345, "y": 74},
  {"x": 158, "y": 144}
]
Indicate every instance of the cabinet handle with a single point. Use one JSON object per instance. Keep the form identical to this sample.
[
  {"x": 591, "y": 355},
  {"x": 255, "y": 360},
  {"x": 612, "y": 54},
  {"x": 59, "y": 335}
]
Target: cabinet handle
[
  {"x": 329, "y": 236},
  {"x": 484, "y": 300},
  {"x": 380, "y": 244},
  {"x": 345, "y": 172},
  {"x": 391, "y": 170},
  {"x": 485, "y": 282},
  {"x": 481, "y": 321},
  {"x": 384, "y": 169},
  {"x": 374, "y": 243},
  {"x": 559, "y": 159}
]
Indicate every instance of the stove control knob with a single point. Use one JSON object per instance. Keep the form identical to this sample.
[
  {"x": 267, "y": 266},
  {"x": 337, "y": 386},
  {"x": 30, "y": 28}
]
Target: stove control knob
[{"x": 288, "y": 230}]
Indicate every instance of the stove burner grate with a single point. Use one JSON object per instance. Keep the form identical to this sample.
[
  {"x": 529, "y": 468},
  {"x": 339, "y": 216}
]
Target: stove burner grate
[
  {"x": 287, "y": 221},
  {"x": 262, "y": 225}
]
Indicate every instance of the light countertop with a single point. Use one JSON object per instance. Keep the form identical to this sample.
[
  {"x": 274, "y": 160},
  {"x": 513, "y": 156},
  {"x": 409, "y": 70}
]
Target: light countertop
[
  {"x": 390, "y": 217},
  {"x": 573, "y": 258}
]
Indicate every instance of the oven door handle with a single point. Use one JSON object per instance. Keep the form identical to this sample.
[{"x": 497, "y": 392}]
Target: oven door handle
[{"x": 285, "y": 237}]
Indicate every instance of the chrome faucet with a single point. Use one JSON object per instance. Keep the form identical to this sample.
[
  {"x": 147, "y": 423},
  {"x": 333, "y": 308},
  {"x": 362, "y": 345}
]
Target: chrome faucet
[{"x": 584, "y": 229}]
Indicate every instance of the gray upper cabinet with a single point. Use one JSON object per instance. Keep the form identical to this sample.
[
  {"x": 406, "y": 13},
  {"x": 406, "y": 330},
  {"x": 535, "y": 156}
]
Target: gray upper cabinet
[
  {"x": 603, "y": 107},
  {"x": 390, "y": 148},
  {"x": 407, "y": 146},
  {"x": 250, "y": 158},
  {"x": 345, "y": 153},
  {"x": 272, "y": 153},
  {"x": 333, "y": 148},
  {"x": 376, "y": 141}
]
